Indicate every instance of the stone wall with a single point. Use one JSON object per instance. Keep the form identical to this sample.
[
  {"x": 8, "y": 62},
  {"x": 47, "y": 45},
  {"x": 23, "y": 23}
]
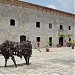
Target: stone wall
[{"x": 25, "y": 24}]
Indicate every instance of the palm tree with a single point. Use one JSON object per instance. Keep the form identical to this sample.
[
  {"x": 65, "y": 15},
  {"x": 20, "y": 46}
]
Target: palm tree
[
  {"x": 61, "y": 35},
  {"x": 68, "y": 35}
]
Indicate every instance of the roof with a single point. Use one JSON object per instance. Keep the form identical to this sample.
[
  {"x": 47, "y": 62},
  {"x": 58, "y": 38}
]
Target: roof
[{"x": 33, "y": 6}]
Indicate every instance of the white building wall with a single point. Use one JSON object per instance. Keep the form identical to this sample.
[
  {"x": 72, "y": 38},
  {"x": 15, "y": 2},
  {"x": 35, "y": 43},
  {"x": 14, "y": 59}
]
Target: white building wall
[{"x": 25, "y": 24}]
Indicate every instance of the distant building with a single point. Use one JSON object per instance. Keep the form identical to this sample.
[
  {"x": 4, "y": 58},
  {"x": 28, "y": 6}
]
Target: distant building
[{"x": 20, "y": 21}]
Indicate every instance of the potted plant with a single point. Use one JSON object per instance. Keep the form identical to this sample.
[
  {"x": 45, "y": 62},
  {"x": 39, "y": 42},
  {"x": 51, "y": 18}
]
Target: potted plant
[
  {"x": 72, "y": 46},
  {"x": 73, "y": 43},
  {"x": 47, "y": 49}
]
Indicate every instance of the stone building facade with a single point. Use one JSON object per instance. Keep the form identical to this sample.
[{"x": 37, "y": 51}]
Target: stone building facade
[{"x": 20, "y": 21}]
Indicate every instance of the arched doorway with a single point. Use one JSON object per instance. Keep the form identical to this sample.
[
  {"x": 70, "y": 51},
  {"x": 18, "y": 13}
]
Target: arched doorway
[{"x": 22, "y": 38}]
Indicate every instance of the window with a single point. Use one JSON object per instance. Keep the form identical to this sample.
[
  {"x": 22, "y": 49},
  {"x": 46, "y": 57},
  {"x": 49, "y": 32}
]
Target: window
[
  {"x": 38, "y": 39},
  {"x": 50, "y": 40},
  {"x": 38, "y": 24},
  {"x": 12, "y": 22},
  {"x": 69, "y": 39},
  {"x": 50, "y": 25},
  {"x": 69, "y": 27},
  {"x": 22, "y": 38},
  {"x": 61, "y": 27}
]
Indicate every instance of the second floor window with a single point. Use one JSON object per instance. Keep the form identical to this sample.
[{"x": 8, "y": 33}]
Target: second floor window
[
  {"x": 61, "y": 26},
  {"x": 69, "y": 27},
  {"x": 38, "y": 24},
  {"x": 12, "y": 22},
  {"x": 50, "y": 25}
]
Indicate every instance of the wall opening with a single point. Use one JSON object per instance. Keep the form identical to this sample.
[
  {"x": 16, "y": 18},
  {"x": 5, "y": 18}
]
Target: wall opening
[
  {"x": 50, "y": 40},
  {"x": 12, "y": 22},
  {"x": 22, "y": 38},
  {"x": 61, "y": 41}
]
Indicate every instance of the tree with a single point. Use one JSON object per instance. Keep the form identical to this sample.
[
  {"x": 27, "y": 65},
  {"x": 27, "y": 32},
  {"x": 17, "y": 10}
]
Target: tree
[{"x": 61, "y": 35}]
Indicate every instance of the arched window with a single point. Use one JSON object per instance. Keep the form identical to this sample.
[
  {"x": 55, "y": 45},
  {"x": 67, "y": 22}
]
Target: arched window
[{"x": 12, "y": 22}]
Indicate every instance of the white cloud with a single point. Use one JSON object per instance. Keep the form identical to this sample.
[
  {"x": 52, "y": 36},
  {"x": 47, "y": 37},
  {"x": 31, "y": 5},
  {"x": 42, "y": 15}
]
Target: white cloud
[
  {"x": 22, "y": 0},
  {"x": 52, "y": 6},
  {"x": 67, "y": 5}
]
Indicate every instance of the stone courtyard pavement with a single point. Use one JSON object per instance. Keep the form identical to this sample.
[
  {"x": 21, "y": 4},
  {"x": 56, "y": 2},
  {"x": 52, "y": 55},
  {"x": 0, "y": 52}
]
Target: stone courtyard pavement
[{"x": 58, "y": 61}]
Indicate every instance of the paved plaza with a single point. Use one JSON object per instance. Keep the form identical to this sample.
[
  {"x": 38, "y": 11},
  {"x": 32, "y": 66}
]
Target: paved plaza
[{"x": 58, "y": 61}]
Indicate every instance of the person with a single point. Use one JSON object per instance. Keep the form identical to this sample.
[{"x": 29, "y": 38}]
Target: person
[
  {"x": 29, "y": 46},
  {"x": 72, "y": 46},
  {"x": 38, "y": 45}
]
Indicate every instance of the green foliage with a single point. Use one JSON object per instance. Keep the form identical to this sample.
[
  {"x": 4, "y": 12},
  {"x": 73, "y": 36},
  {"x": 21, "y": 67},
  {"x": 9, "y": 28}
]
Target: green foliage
[
  {"x": 65, "y": 36},
  {"x": 49, "y": 43},
  {"x": 61, "y": 35},
  {"x": 68, "y": 35},
  {"x": 73, "y": 41}
]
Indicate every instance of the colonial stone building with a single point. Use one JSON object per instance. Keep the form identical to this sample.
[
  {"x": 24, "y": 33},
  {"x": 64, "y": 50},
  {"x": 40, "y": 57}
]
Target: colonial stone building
[{"x": 20, "y": 21}]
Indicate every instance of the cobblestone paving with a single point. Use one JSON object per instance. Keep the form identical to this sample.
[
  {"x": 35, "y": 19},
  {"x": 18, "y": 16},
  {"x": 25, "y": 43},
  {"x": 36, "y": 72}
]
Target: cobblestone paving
[{"x": 58, "y": 61}]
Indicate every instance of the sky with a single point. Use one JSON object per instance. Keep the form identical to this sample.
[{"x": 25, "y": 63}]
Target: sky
[{"x": 63, "y": 5}]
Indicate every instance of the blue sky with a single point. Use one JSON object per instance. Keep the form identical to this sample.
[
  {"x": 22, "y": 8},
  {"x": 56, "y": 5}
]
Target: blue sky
[{"x": 64, "y": 5}]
